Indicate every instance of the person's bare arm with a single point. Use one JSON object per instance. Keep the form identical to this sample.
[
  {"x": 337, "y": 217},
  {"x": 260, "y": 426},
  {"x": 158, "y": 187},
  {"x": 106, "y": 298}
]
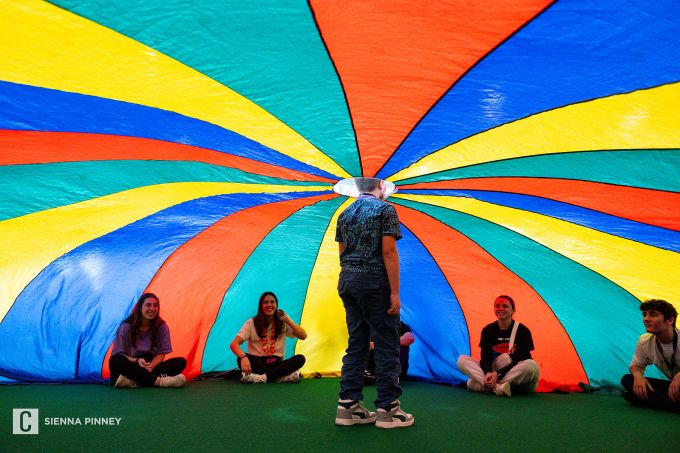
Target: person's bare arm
[
  {"x": 674, "y": 389},
  {"x": 640, "y": 382},
  {"x": 407, "y": 339},
  {"x": 391, "y": 259},
  {"x": 235, "y": 347},
  {"x": 157, "y": 360},
  {"x": 298, "y": 330}
]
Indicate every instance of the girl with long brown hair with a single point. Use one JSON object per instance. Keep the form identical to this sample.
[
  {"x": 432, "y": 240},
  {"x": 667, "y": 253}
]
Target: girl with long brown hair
[
  {"x": 139, "y": 349},
  {"x": 266, "y": 333}
]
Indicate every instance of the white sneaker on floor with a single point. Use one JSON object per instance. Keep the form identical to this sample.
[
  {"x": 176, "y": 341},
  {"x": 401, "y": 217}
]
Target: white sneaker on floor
[
  {"x": 503, "y": 389},
  {"x": 475, "y": 386},
  {"x": 393, "y": 417},
  {"x": 253, "y": 378},
  {"x": 353, "y": 413},
  {"x": 123, "y": 382},
  {"x": 173, "y": 381},
  {"x": 293, "y": 378}
]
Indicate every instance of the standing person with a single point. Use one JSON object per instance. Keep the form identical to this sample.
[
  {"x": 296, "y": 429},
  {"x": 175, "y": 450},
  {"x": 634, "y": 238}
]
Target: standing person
[
  {"x": 139, "y": 349},
  {"x": 266, "y": 334},
  {"x": 367, "y": 232},
  {"x": 659, "y": 347},
  {"x": 506, "y": 364}
]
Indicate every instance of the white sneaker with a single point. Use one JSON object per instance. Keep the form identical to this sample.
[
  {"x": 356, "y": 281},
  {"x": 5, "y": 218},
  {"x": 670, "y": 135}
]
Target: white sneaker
[
  {"x": 393, "y": 417},
  {"x": 353, "y": 413},
  {"x": 123, "y": 382},
  {"x": 293, "y": 378},
  {"x": 173, "y": 381},
  {"x": 503, "y": 389},
  {"x": 253, "y": 378},
  {"x": 475, "y": 386}
]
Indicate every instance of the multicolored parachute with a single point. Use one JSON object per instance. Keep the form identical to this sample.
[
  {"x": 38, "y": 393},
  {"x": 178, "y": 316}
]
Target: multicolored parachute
[{"x": 190, "y": 148}]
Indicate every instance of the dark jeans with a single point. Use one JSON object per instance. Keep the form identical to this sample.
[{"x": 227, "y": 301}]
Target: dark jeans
[
  {"x": 119, "y": 364},
  {"x": 274, "y": 366},
  {"x": 366, "y": 298},
  {"x": 403, "y": 362},
  {"x": 658, "y": 399}
]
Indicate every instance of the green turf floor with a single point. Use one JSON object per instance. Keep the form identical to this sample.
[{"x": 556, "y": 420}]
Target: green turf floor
[{"x": 228, "y": 416}]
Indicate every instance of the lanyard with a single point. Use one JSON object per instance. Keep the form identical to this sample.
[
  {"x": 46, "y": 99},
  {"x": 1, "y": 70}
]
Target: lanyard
[{"x": 670, "y": 364}]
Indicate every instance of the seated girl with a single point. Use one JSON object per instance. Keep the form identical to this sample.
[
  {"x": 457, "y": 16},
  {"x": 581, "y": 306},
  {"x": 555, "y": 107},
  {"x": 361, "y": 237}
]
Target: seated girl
[
  {"x": 506, "y": 364},
  {"x": 142, "y": 340},
  {"x": 266, "y": 333}
]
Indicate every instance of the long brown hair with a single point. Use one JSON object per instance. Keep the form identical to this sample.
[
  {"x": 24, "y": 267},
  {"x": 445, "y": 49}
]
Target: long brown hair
[
  {"x": 260, "y": 320},
  {"x": 135, "y": 321}
]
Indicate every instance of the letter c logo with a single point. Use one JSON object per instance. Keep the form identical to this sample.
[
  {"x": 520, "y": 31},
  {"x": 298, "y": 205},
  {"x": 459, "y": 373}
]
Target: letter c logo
[
  {"x": 25, "y": 421},
  {"x": 21, "y": 421}
]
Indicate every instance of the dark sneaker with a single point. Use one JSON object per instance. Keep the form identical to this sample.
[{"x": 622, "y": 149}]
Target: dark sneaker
[
  {"x": 353, "y": 413},
  {"x": 393, "y": 417}
]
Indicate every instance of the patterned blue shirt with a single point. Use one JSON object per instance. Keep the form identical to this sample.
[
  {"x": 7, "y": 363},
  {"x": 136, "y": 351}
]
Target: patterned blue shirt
[{"x": 361, "y": 227}]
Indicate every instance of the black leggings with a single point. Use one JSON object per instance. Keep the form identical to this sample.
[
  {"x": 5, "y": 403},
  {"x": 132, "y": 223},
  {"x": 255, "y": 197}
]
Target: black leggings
[
  {"x": 273, "y": 366},
  {"x": 119, "y": 364},
  {"x": 658, "y": 399}
]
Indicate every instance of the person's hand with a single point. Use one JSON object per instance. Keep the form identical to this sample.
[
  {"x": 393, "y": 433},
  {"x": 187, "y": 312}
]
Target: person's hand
[
  {"x": 245, "y": 365},
  {"x": 281, "y": 314},
  {"x": 395, "y": 305},
  {"x": 407, "y": 339},
  {"x": 371, "y": 345},
  {"x": 674, "y": 389},
  {"x": 490, "y": 380},
  {"x": 144, "y": 364},
  {"x": 640, "y": 386}
]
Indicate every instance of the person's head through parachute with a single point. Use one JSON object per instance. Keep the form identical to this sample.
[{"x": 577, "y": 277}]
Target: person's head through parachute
[{"x": 373, "y": 186}]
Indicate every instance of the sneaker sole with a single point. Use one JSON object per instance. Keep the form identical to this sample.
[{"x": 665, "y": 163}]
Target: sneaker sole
[
  {"x": 391, "y": 425},
  {"x": 354, "y": 421}
]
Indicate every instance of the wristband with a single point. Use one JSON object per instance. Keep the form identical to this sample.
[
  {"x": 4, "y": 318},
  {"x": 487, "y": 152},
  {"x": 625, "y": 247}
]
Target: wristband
[{"x": 242, "y": 356}]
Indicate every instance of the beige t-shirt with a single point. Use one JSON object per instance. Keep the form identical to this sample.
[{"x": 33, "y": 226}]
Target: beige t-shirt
[
  {"x": 267, "y": 345},
  {"x": 646, "y": 353}
]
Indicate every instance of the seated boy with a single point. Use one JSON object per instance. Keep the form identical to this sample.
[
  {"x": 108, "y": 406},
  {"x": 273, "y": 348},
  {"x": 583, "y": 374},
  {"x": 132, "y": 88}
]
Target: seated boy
[{"x": 659, "y": 347}]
